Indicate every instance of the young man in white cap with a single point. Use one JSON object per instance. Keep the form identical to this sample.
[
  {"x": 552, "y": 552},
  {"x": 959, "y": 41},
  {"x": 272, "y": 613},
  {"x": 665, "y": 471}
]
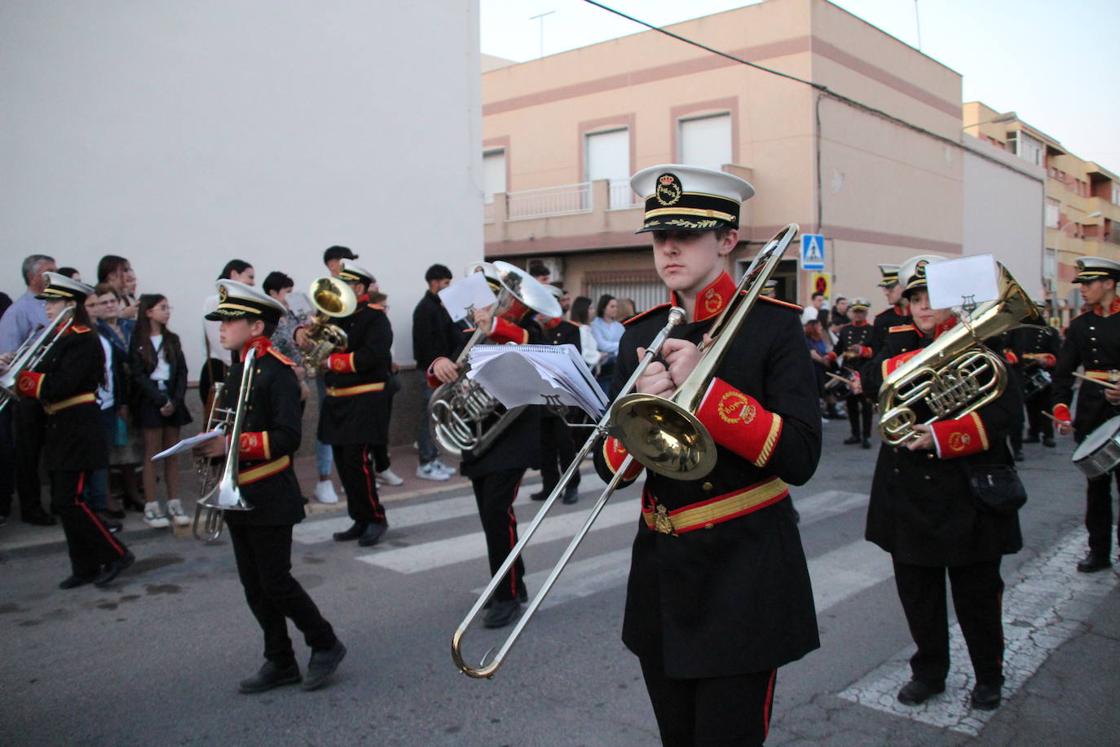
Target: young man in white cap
[
  {"x": 923, "y": 513},
  {"x": 896, "y": 314},
  {"x": 719, "y": 594},
  {"x": 262, "y": 536},
  {"x": 853, "y": 348},
  {"x": 1092, "y": 341}
]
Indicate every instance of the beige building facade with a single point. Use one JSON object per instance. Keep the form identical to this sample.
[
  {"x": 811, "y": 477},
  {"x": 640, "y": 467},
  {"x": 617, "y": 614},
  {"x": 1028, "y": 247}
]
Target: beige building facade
[{"x": 562, "y": 133}]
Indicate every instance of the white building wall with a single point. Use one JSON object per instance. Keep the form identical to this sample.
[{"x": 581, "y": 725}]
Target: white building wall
[
  {"x": 181, "y": 135},
  {"x": 1004, "y": 211}
]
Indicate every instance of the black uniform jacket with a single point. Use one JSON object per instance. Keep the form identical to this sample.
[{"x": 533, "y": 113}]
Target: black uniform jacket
[
  {"x": 519, "y": 445},
  {"x": 921, "y": 510},
  {"x": 855, "y": 340},
  {"x": 434, "y": 335},
  {"x": 270, "y": 436},
  {"x": 892, "y": 316},
  {"x": 357, "y": 403},
  {"x": 1092, "y": 341},
  {"x": 560, "y": 332},
  {"x": 75, "y": 438},
  {"x": 733, "y": 598}
]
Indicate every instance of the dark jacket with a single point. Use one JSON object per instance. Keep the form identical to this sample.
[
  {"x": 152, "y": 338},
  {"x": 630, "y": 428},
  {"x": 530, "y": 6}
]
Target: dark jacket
[
  {"x": 434, "y": 335},
  {"x": 1092, "y": 341},
  {"x": 560, "y": 332},
  {"x": 271, "y": 432},
  {"x": 143, "y": 389},
  {"x": 853, "y": 348},
  {"x": 733, "y": 598},
  {"x": 74, "y": 438},
  {"x": 891, "y": 316},
  {"x": 921, "y": 510},
  {"x": 358, "y": 418}
]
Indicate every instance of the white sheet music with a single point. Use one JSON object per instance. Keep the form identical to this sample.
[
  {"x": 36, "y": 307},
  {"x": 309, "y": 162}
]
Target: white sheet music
[
  {"x": 188, "y": 443},
  {"x": 519, "y": 375},
  {"x": 472, "y": 292},
  {"x": 952, "y": 282}
]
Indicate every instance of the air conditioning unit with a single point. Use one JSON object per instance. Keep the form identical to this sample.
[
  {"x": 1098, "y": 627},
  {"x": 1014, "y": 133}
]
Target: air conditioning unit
[{"x": 555, "y": 266}]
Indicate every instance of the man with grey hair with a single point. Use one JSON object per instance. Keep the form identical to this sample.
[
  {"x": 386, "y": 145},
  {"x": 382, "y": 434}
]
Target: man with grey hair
[{"x": 19, "y": 461}]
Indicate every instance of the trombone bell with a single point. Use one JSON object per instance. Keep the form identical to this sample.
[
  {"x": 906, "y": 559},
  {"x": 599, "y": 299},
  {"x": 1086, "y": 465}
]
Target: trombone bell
[{"x": 663, "y": 436}]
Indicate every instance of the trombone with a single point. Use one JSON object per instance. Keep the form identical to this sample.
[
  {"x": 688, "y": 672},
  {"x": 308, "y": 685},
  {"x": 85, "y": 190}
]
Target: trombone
[
  {"x": 686, "y": 455},
  {"x": 208, "y": 522},
  {"x": 33, "y": 350}
]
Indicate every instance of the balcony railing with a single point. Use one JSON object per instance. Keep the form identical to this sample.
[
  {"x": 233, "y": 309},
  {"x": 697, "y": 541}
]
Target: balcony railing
[
  {"x": 547, "y": 202},
  {"x": 621, "y": 196}
]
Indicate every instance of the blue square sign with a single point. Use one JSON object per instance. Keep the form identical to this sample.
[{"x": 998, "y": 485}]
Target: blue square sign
[{"x": 812, "y": 251}]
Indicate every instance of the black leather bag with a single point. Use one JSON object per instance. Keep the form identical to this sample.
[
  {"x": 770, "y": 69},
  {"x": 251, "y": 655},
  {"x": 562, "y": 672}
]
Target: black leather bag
[{"x": 996, "y": 488}]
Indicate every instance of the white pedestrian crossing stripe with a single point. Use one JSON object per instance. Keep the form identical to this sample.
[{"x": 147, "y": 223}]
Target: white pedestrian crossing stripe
[{"x": 1046, "y": 603}]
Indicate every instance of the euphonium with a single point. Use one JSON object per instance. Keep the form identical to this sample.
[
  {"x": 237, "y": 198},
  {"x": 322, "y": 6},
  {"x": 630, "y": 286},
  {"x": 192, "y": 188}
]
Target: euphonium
[
  {"x": 33, "y": 350},
  {"x": 956, "y": 374},
  {"x": 464, "y": 415},
  {"x": 664, "y": 433},
  {"x": 332, "y": 299}
]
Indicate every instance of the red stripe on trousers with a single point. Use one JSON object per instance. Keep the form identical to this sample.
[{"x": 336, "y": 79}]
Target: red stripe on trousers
[
  {"x": 93, "y": 517},
  {"x": 513, "y": 539},
  {"x": 378, "y": 514},
  {"x": 768, "y": 706}
]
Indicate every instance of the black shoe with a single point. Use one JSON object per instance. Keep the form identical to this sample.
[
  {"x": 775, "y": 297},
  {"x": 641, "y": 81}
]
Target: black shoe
[
  {"x": 850, "y": 440},
  {"x": 1048, "y": 442},
  {"x": 866, "y": 443},
  {"x": 113, "y": 569},
  {"x": 113, "y": 514},
  {"x": 986, "y": 697},
  {"x": 370, "y": 536},
  {"x": 133, "y": 505},
  {"x": 1019, "y": 456},
  {"x": 73, "y": 582},
  {"x": 540, "y": 495},
  {"x": 1031, "y": 439},
  {"x": 355, "y": 531},
  {"x": 501, "y": 613},
  {"x": 571, "y": 494},
  {"x": 110, "y": 524},
  {"x": 270, "y": 676},
  {"x": 1093, "y": 562},
  {"x": 39, "y": 518},
  {"x": 916, "y": 692},
  {"x": 324, "y": 662}
]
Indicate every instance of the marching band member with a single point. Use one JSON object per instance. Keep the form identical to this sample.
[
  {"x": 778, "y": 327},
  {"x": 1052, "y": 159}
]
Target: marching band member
[
  {"x": 896, "y": 314},
  {"x": 1092, "y": 341},
  {"x": 557, "y": 448},
  {"x": 496, "y": 473},
  {"x": 262, "y": 537},
  {"x": 922, "y": 513},
  {"x": 65, "y": 384},
  {"x": 356, "y": 406},
  {"x": 854, "y": 351},
  {"x": 719, "y": 594},
  {"x": 1037, "y": 346}
]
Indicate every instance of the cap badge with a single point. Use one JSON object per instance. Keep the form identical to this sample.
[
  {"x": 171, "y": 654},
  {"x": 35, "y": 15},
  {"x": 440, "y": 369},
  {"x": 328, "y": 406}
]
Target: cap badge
[
  {"x": 223, "y": 294},
  {"x": 920, "y": 268},
  {"x": 669, "y": 189}
]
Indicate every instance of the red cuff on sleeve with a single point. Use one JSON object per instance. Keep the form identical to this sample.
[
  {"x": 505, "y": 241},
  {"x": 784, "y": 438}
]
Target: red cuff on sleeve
[
  {"x": 614, "y": 453},
  {"x": 505, "y": 331},
  {"x": 1061, "y": 412},
  {"x": 960, "y": 437},
  {"x": 30, "y": 383},
  {"x": 341, "y": 362},
  {"x": 1049, "y": 360},
  {"x": 890, "y": 365},
  {"x": 1011, "y": 357},
  {"x": 254, "y": 446},
  {"x": 866, "y": 352},
  {"x": 739, "y": 423},
  {"x": 830, "y": 356}
]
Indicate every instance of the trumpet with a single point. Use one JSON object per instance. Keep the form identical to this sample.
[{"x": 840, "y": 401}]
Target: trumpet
[
  {"x": 730, "y": 320},
  {"x": 226, "y": 495},
  {"x": 332, "y": 299},
  {"x": 33, "y": 350}
]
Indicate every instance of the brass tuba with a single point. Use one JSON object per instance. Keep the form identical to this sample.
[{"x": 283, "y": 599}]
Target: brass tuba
[
  {"x": 332, "y": 299},
  {"x": 33, "y": 350},
  {"x": 465, "y": 416},
  {"x": 956, "y": 374}
]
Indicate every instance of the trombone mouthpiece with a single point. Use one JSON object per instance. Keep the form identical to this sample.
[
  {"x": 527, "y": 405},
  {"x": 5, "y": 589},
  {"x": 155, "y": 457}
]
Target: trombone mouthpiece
[{"x": 676, "y": 316}]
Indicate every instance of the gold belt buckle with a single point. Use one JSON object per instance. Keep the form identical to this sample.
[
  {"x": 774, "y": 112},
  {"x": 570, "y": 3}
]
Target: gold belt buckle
[{"x": 662, "y": 524}]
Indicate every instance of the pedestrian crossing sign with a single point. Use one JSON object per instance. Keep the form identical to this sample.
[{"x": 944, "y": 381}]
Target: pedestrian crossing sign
[{"x": 812, "y": 251}]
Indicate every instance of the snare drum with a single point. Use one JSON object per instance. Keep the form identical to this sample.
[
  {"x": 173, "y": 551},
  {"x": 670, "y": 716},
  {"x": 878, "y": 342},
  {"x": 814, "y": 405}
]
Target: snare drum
[
  {"x": 1035, "y": 381},
  {"x": 1099, "y": 453}
]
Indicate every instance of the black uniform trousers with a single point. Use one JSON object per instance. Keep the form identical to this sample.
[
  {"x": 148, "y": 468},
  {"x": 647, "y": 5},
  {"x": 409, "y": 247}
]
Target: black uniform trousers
[
  {"x": 978, "y": 600},
  {"x": 495, "y": 493},
  {"x": 90, "y": 543},
  {"x": 1098, "y": 514},
  {"x": 356, "y": 471},
  {"x": 1037, "y": 423},
  {"x": 557, "y": 450},
  {"x": 264, "y": 563},
  {"x": 30, "y": 427},
  {"x": 7, "y": 460},
  {"x": 711, "y": 711},
  {"x": 859, "y": 415}
]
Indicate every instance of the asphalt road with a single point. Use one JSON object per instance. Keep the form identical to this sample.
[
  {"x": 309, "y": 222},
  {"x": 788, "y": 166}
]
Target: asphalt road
[{"x": 156, "y": 659}]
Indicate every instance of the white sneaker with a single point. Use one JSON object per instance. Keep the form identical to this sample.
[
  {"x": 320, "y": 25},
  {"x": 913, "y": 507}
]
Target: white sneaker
[
  {"x": 389, "y": 477},
  {"x": 450, "y": 471},
  {"x": 324, "y": 492},
  {"x": 175, "y": 509},
  {"x": 430, "y": 472},
  {"x": 153, "y": 517}
]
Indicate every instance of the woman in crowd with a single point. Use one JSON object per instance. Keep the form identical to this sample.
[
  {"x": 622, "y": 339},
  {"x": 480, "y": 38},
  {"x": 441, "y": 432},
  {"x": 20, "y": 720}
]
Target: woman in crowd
[
  {"x": 117, "y": 272},
  {"x": 159, "y": 380},
  {"x": 580, "y": 315},
  {"x": 607, "y": 331}
]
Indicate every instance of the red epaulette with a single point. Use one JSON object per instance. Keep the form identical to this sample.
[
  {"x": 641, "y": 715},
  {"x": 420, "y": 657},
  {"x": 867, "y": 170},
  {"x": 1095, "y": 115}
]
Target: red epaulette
[
  {"x": 903, "y": 328},
  {"x": 281, "y": 357},
  {"x": 779, "y": 302},
  {"x": 647, "y": 312},
  {"x": 79, "y": 329}
]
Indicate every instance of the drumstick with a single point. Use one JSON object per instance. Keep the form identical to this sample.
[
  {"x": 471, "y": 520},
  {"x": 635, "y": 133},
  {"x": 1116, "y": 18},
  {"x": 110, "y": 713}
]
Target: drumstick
[
  {"x": 839, "y": 378},
  {"x": 1108, "y": 384}
]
